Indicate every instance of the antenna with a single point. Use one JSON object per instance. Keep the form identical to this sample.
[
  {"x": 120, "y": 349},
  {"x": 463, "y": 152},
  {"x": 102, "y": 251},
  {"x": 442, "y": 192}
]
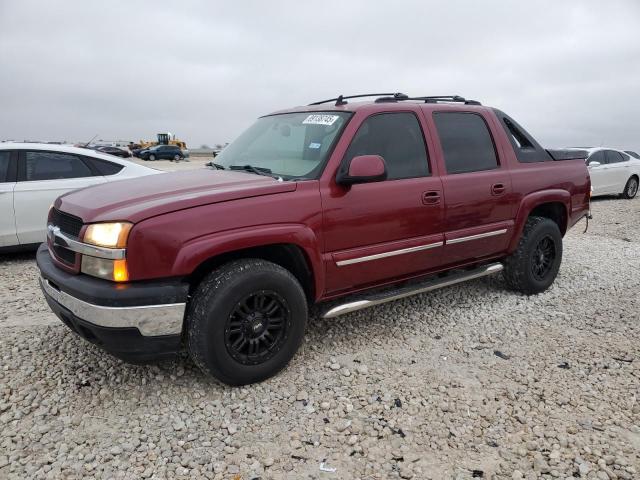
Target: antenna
[{"x": 92, "y": 139}]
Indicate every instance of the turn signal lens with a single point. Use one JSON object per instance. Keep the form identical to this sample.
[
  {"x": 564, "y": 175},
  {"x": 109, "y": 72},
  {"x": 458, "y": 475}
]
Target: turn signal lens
[
  {"x": 120, "y": 272},
  {"x": 114, "y": 270},
  {"x": 112, "y": 235}
]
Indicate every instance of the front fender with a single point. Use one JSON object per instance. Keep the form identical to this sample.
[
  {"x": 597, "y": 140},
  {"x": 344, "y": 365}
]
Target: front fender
[
  {"x": 198, "y": 250},
  {"x": 531, "y": 201}
]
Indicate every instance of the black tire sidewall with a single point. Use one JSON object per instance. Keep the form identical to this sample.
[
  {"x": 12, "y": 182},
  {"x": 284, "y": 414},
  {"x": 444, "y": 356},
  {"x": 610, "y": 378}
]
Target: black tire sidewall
[
  {"x": 208, "y": 322},
  {"x": 543, "y": 229}
]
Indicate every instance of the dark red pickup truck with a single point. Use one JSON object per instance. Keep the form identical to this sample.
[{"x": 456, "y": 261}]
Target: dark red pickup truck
[{"x": 365, "y": 202}]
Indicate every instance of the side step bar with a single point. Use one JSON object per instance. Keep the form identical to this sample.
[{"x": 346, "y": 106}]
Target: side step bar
[{"x": 407, "y": 291}]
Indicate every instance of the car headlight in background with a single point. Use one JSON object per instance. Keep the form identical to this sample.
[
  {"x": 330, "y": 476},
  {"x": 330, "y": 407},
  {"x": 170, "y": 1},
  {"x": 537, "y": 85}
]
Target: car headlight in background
[{"x": 111, "y": 235}]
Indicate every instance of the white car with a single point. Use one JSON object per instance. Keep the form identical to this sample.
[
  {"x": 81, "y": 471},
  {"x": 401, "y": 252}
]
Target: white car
[
  {"x": 33, "y": 175},
  {"x": 613, "y": 172}
]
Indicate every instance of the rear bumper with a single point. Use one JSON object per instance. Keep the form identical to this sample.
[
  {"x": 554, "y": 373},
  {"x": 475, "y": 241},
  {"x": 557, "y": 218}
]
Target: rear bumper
[{"x": 137, "y": 322}]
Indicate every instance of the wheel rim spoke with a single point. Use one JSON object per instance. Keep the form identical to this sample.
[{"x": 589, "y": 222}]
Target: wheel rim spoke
[{"x": 256, "y": 328}]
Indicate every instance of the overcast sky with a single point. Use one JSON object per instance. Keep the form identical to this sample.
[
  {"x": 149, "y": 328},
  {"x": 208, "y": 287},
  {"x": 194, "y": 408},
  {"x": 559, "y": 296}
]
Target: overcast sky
[{"x": 568, "y": 71}]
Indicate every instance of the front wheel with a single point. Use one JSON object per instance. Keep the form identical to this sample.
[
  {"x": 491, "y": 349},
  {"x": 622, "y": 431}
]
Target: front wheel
[
  {"x": 152, "y": 157},
  {"x": 534, "y": 265},
  {"x": 246, "y": 321},
  {"x": 176, "y": 158},
  {"x": 631, "y": 188}
]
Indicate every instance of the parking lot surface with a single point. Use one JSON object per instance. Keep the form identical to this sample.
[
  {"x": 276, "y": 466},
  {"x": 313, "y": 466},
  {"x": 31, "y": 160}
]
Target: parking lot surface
[{"x": 472, "y": 381}]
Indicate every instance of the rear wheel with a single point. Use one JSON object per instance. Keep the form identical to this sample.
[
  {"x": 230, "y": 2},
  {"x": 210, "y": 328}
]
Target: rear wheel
[
  {"x": 246, "y": 321},
  {"x": 631, "y": 188},
  {"x": 534, "y": 265}
]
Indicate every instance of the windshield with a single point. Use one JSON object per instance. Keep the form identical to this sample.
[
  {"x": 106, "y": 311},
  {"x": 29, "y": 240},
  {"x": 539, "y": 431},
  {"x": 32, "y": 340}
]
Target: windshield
[{"x": 290, "y": 145}]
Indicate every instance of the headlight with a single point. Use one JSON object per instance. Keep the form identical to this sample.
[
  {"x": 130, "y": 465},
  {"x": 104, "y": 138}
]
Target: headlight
[
  {"x": 114, "y": 270},
  {"x": 112, "y": 235}
]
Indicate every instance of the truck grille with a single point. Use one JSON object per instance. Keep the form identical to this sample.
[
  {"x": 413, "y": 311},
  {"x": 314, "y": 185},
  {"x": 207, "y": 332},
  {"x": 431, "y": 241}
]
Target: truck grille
[
  {"x": 66, "y": 223},
  {"x": 65, "y": 255},
  {"x": 70, "y": 226}
]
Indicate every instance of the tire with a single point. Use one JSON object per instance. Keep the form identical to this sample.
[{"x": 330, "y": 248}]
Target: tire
[
  {"x": 534, "y": 265},
  {"x": 152, "y": 157},
  {"x": 631, "y": 188},
  {"x": 176, "y": 158},
  {"x": 226, "y": 308}
]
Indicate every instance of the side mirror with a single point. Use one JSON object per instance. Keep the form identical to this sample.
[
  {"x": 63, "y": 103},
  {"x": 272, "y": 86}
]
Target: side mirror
[
  {"x": 594, "y": 164},
  {"x": 362, "y": 169}
]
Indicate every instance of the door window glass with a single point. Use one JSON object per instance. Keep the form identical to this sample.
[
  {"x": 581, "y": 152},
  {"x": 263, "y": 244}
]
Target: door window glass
[
  {"x": 396, "y": 137},
  {"x": 5, "y": 158},
  {"x": 614, "y": 157},
  {"x": 54, "y": 166},
  {"x": 597, "y": 157},
  {"x": 467, "y": 145}
]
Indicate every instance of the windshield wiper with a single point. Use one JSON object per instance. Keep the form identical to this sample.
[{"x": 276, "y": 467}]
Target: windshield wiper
[
  {"x": 217, "y": 166},
  {"x": 257, "y": 170}
]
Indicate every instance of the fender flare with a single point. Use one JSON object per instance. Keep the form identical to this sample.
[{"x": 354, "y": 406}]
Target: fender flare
[
  {"x": 198, "y": 250},
  {"x": 533, "y": 200}
]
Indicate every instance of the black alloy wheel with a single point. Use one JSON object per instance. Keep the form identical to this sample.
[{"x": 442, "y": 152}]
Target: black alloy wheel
[
  {"x": 543, "y": 257},
  {"x": 257, "y": 327}
]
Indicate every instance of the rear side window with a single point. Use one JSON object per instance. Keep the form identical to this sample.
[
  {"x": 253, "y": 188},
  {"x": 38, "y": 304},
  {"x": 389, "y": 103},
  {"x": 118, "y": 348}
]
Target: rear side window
[
  {"x": 614, "y": 157},
  {"x": 104, "y": 167},
  {"x": 466, "y": 142},
  {"x": 396, "y": 137},
  {"x": 5, "y": 159},
  {"x": 54, "y": 166}
]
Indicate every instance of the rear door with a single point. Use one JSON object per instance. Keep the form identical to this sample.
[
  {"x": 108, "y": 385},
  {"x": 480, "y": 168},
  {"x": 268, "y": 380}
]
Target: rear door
[
  {"x": 380, "y": 231},
  {"x": 618, "y": 170},
  {"x": 42, "y": 177},
  {"x": 479, "y": 208},
  {"x": 8, "y": 235}
]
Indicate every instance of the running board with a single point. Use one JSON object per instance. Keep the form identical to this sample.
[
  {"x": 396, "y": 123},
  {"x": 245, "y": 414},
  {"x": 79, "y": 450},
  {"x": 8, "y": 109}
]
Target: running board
[{"x": 407, "y": 291}]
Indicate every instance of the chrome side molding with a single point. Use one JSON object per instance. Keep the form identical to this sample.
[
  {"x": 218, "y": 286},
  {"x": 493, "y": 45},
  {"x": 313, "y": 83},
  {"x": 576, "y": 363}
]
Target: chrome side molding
[
  {"x": 477, "y": 237},
  {"x": 392, "y": 253},
  {"x": 407, "y": 291}
]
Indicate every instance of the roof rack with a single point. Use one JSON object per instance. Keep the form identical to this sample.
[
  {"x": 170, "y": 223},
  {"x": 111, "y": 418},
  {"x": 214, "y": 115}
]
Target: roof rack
[{"x": 395, "y": 97}]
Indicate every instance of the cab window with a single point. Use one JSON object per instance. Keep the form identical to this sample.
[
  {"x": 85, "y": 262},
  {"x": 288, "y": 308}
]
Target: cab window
[{"x": 397, "y": 138}]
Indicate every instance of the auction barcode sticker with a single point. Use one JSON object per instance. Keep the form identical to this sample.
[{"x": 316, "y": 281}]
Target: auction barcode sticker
[{"x": 321, "y": 119}]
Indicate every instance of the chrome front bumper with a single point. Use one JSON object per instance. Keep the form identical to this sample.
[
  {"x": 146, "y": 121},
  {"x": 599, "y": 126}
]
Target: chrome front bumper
[{"x": 150, "y": 320}]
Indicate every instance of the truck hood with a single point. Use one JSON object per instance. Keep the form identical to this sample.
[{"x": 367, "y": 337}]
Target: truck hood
[{"x": 139, "y": 198}]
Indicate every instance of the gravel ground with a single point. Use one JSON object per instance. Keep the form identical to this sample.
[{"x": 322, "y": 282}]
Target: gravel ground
[{"x": 466, "y": 382}]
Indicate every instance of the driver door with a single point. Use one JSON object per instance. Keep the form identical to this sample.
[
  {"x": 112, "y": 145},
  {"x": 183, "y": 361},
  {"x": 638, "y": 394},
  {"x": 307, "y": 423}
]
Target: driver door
[{"x": 379, "y": 231}]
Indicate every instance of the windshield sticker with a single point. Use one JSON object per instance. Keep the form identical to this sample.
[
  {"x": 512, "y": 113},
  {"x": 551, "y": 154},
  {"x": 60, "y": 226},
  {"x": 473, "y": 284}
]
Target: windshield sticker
[
  {"x": 321, "y": 119},
  {"x": 314, "y": 145}
]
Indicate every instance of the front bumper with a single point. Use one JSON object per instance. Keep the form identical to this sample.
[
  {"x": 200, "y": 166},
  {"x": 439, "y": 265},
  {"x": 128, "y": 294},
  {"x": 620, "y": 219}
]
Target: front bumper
[{"x": 136, "y": 322}]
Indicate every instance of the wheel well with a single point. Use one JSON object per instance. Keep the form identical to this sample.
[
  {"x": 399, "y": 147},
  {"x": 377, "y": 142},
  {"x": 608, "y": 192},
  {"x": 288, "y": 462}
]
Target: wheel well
[
  {"x": 286, "y": 255},
  {"x": 555, "y": 211}
]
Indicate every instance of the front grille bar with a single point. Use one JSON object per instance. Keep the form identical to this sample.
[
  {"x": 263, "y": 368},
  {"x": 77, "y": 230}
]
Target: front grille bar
[{"x": 59, "y": 239}]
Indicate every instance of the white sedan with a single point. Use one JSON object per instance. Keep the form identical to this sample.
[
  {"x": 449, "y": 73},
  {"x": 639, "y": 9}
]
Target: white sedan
[
  {"x": 613, "y": 172},
  {"x": 33, "y": 175}
]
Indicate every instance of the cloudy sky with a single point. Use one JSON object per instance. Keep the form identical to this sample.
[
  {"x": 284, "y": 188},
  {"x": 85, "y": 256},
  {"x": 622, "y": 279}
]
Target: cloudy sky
[{"x": 569, "y": 71}]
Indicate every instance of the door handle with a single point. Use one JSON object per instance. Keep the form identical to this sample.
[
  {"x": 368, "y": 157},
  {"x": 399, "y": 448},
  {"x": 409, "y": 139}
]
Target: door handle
[
  {"x": 431, "y": 198},
  {"x": 497, "y": 189}
]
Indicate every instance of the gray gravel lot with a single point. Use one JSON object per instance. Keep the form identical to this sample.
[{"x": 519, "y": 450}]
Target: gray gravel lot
[{"x": 467, "y": 382}]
